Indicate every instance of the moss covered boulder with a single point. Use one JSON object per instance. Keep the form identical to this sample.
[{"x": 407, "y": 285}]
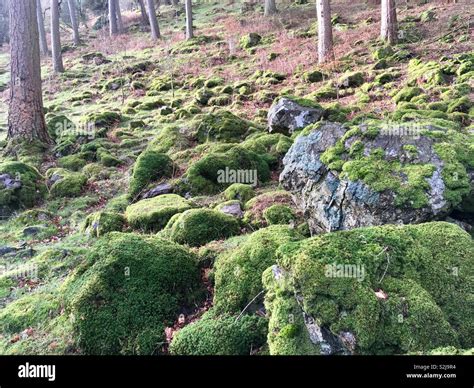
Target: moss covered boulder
[
  {"x": 21, "y": 187},
  {"x": 100, "y": 223},
  {"x": 222, "y": 126},
  {"x": 239, "y": 191},
  {"x": 256, "y": 207},
  {"x": 377, "y": 173},
  {"x": 154, "y": 213},
  {"x": 238, "y": 273},
  {"x": 150, "y": 166},
  {"x": 64, "y": 183},
  {"x": 214, "y": 335},
  {"x": 129, "y": 289},
  {"x": 287, "y": 115},
  {"x": 196, "y": 227},
  {"x": 216, "y": 171},
  {"x": 378, "y": 290}
]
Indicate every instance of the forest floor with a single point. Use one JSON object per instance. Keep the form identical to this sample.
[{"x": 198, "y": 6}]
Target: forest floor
[{"x": 156, "y": 87}]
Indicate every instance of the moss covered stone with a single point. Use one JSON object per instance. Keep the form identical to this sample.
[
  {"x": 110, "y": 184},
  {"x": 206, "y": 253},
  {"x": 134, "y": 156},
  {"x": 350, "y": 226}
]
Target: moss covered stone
[
  {"x": 250, "y": 40},
  {"x": 220, "y": 335},
  {"x": 222, "y": 126},
  {"x": 255, "y": 208},
  {"x": 407, "y": 94},
  {"x": 100, "y": 223},
  {"x": 21, "y": 187},
  {"x": 271, "y": 146},
  {"x": 196, "y": 227},
  {"x": 154, "y": 213},
  {"x": 218, "y": 170},
  {"x": 279, "y": 214},
  {"x": 65, "y": 183},
  {"x": 129, "y": 288},
  {"x": 238, "y": 273},
  {"x": 239, "y": 191},
  {"x": 377, "y": 290},
  {"x": 150, "y": 166}
]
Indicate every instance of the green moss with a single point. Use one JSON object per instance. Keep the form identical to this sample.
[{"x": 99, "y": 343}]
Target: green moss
[
  {"x": 220, "y": 335},
  {"x": 238, "y": 273},
  {"x": 257, "y": 205},
  {"x": 423, "y": 269},
  {"x": 65, "y": 183},
  {"x": 270, "y": 146},
  {"x": 72, "y": 162},
  {"x": 208, "y": 175},
  {"x": 239, "y": 191},
  {"x": 407, "y": 93},
  {"x": 196, "y": 227},
  {"x": 279, "y": 214},
  {"x": 150, "y": 166},
  {"x": 313, "y": 76},
  {"x": 169, "y": 139},
  {"x": 351, "y": 80},
  {"x": 58, "y": 124},
  {"x": 28, "y": 311},
  {"x": 430, "y": 73},
  {"x": 138, "y": 284},
  {"x": 462, "y": 104},
  {"x": 250, "y": 40},
  {"x": 222, "y": 126},
  {"x": 31, "y": 191},
  {"x": 439, "y": 106},
  {"x": 100, "y": 223},
  {"x": 154, "y": 213},
  {"x": 106, "y": 119}
]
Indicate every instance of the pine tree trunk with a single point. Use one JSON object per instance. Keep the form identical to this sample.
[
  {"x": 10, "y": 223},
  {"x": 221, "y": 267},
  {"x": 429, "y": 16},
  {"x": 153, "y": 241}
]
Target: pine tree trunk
[
  {"x": 155, "y": 29},
  {"x": 25, "y": 116},
  {"x": 325, "y": 43},
  {"x": 55, "y": 38},
  {"x": 112, "y": 18},
  {"x": 118, "y": 12},
  {"x": 189, "y": 19},
  {"x": 388, "y": 25},
  {"x": 74, "y": 24},
  {"x": 270, "y": 8},
  {"x": 143, "y": 12},
  {"x": 42, "y": 33}
]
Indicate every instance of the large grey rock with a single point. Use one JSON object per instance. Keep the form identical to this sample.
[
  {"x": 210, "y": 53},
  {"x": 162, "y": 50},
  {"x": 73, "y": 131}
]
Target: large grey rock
[
  {"x": 162, "y": 188},
  {"x": 286, "y": 116},
  {"x": 332, "y": 202}
]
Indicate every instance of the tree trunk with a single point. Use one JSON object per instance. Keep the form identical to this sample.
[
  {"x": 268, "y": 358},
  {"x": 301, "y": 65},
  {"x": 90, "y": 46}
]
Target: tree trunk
[
  {"x": 118, "y": 12},
  {"x": 74, "y": 24},
  {"x": 113, "y": 18},
  {"x": 189, "y": 19},
  {"x": 143, "y": 12},
  {"x": 325, "y": 43},
  {"x": 25, "y": 116},
  {"x": 155, "y": 29},
  {"x": 42, "y": 33},
  {"x": 270, "y": 8},
  {"x": 388, "y": 25},
  {"x": 55, "y": 38}
]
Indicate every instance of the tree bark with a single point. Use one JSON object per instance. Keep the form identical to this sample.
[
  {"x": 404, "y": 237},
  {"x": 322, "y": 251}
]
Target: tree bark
[
  {"x": 42, "y": 33},
  {"x": 270, "y": 8},
  {"x": 155, "y": 29},
  {"x": 55, "y": 38},
  {"x": 388, "y": 25},
  {"x": 189, "y": 19},
  {"x": 118, "y": 12},
  {"x": 74, "y": 24},
  {"x": 325, "y": 42},
  {"x": 25, "y": 115},
  {"x": 113, "y": 29},
  {"x": 143, "y": 12}
]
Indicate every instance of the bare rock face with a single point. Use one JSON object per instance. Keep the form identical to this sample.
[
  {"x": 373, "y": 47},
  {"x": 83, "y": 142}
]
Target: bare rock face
[
  {"x": 285, "y": 116},
  {"x": 345, "y": 178}
]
